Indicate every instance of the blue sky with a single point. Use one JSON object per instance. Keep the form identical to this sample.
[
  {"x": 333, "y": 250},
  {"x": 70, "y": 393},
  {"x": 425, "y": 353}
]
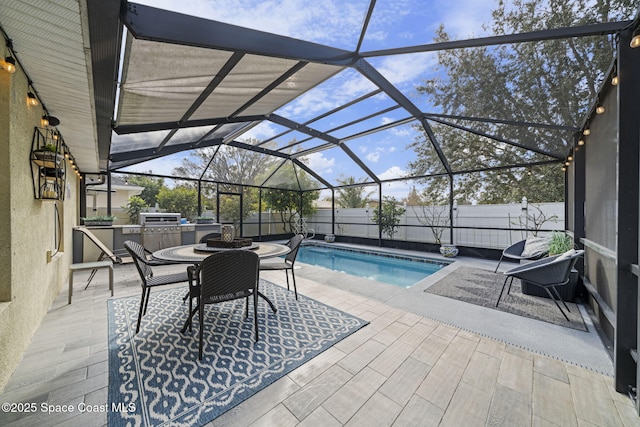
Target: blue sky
[{"x": 338, "y": 23}]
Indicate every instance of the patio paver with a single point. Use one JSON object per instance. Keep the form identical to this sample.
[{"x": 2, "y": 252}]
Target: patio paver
[{"x": 402, "y": 369}]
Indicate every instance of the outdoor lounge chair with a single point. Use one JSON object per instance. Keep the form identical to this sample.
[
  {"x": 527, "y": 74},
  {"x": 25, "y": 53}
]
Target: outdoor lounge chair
[
  {"x": 287, "y": 263},
  {"x": 105, "y": 252},
  {"x": 530, "y": 248},
  {"x": 224, "y": 276},
  {"x": 547, "y": 273},
  {"x": 105, "y": 260},
  {"x": 148, "y": 277}
]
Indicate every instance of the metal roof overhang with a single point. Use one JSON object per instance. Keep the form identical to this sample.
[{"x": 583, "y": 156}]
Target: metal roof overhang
[{"x": 69, "y": 52}]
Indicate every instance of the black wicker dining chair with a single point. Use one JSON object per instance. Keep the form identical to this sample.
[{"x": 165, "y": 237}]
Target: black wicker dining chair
[
  {"x": 223, "y": 276},
  {"x": 287, "y": 263},
  {"x": 149, "y": 277}
]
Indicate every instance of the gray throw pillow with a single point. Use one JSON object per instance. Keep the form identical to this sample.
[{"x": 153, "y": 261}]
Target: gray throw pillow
[{"x": 536, "y": 246}]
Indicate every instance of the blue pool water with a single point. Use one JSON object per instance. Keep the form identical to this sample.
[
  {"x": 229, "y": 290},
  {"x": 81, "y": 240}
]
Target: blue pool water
[{"x": 398, "y": 271}]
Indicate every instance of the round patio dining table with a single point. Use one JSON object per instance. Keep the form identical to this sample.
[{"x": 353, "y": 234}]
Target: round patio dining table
[{"x": 196, "y": 253}]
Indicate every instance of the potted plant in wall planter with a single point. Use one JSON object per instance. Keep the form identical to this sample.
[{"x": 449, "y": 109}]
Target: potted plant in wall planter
[
  {"x": 98, "y": 220},
  {"x": 204, "y": 220},
  {"x": 560, "y": 243},
  {"x": 48, "y": 156}
]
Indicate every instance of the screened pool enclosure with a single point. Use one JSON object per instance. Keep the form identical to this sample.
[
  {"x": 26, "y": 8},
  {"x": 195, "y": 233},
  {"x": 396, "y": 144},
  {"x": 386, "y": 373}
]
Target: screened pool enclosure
[
  {"x": 244, "y": 113},
  {"x": 286, "y": 128}
]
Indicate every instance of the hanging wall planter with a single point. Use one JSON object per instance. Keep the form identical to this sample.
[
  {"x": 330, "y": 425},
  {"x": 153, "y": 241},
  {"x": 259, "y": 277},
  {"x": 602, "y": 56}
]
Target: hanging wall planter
[{"x": 47, "y": 164}]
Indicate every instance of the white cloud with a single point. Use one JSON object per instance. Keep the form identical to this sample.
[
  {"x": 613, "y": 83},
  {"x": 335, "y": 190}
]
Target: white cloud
[
  {"x": 407, "y": 68},
  {"x": 162, "y": 166},
  {"x": 393, "y": 172},
  {"x": 263, "y": 131},
  {"x": 397, "y": 189},
  {"x": 336, "y": 91},
  {"x": 331, "y": 22},
  {"x": 373, "y": 156},
  {"x": 466, "y": 18},
  {"x": 319, "y": 163}
]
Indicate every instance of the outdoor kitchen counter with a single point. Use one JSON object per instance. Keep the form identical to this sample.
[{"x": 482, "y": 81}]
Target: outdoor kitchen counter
[{"x": 114, "y": 237}]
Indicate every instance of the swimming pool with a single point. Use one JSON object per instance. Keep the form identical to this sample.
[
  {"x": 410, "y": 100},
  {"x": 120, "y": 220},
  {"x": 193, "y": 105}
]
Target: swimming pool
[{"x": 402, "y": 271}]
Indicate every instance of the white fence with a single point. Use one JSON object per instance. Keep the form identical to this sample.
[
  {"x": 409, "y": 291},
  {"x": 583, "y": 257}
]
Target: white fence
[{"x": 483, "y": 226}]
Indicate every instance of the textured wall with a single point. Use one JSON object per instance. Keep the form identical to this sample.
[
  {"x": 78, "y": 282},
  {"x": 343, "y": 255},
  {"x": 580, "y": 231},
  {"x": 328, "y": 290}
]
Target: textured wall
[{"x": 28, "y": 283}]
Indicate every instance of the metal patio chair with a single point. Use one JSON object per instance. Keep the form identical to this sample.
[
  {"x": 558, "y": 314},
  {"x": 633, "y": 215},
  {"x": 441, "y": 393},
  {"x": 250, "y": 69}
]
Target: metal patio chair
[
  {"x": 516, "y": 250},
  {"x": 287, "y": 263},
  {"x": 149, "y": 278},
  {"x": 547, "y": 273}
]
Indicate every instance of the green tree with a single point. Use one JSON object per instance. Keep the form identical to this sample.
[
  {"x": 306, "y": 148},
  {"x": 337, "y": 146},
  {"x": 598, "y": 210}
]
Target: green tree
[
  {"x": 181, "y": 199},
  {"x": 353, "y": 196},
  {"x": 229, "y": 166},
  {"x": 388, "y": 217},
  {"x": 287, "y": 203},
  {"x": 134, "y": 206},
  {"x": 413, "y": 198},
  {"x": 151, "y": 186},
  {"x": 553, "y": 81}
]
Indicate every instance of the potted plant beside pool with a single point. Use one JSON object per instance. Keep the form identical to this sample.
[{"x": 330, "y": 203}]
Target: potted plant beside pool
[
  {"x": 98, "y": 220},
  {"x": 560, "y": 243}
]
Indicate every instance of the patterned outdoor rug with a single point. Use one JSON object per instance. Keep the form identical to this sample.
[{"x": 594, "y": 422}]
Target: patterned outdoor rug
[
  {"x": 482, "y": 287},
  {"x": 155, "y": 377}
]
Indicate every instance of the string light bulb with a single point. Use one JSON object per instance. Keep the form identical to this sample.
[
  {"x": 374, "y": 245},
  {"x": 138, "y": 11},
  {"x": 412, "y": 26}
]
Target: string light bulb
[
  {"x": 635, "y": 38},
  {"x": 599, "y": 109},
  {"x": 9, "y": 64},
  {"x": 615, "y": 80},
  {"x": 586, "y": 132},
  {"x": 581, "y": 142},
  {"x": 44, "y": 121},
  {"x": 31, "y": 99}
]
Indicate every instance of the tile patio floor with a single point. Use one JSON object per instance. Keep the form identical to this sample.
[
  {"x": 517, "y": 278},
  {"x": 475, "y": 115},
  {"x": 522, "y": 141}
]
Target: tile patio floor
[{"x": 401, "y": 370}]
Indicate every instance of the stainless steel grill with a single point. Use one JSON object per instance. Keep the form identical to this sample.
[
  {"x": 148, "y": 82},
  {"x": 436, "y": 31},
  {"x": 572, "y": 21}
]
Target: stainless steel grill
[{"x": 160, "y": 230}]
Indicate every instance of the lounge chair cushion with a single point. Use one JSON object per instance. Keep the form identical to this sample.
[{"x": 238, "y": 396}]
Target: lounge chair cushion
[{"x": 536, "y": 246}]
